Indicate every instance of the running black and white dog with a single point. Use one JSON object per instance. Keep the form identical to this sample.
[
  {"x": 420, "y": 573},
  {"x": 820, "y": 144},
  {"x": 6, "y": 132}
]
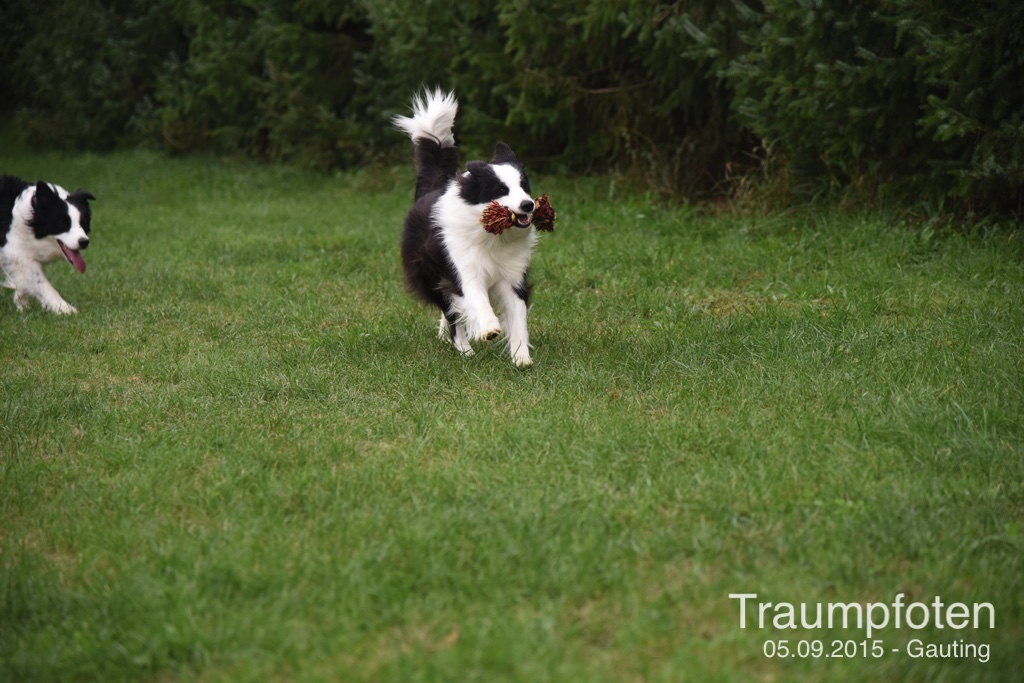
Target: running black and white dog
[
  {"x": 38, "y": 224},
  {"x": 449, "y": 259}
]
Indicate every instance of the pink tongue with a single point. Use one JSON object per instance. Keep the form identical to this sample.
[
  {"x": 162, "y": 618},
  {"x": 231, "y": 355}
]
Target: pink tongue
[{"x": 76, "y": 260}]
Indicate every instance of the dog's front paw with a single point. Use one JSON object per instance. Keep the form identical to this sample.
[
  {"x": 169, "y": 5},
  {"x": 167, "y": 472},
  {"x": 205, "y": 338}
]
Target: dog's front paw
[
  {"x": 21, "y": 301},
  {"x": 487, "y": 330},
  {"x": 522, "y": 361},
  {"x": 63, "y": 308}
]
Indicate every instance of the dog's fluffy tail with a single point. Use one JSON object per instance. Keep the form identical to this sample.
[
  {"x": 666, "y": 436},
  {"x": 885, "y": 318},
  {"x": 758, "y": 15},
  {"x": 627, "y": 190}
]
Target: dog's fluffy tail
[
  {"x": 430, "y": 127},
  {"x": 433, "y": 116}
]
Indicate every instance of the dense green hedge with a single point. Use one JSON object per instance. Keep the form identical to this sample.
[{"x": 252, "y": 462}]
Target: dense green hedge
[
  {"x": 918, "y": 98},
  {"x": 915, "y": 99}
]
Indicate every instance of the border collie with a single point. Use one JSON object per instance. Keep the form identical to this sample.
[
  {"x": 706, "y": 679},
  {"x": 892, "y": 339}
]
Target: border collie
[
  {"x": 38, "y": 224},
  {"x": 449, "y": 258}
]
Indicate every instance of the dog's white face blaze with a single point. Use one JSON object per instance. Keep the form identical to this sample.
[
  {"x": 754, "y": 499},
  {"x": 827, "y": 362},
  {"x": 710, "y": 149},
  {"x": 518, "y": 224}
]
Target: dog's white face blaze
[
  {"x": 513, "y": 180},
  {"x": 68, "y": 244}
]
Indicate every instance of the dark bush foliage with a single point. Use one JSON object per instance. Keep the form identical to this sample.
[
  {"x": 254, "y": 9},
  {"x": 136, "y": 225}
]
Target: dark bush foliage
[
  {"x": 630, "y": 83},
  {"x": 82, "y": 70},
  {"x": 822, "y": 83},
  {"x": 918, "y": 98},
  {"x": 910, "y": 99},
  {"x": 969, "y": 57},
  {"x": 271, "y": 79}
]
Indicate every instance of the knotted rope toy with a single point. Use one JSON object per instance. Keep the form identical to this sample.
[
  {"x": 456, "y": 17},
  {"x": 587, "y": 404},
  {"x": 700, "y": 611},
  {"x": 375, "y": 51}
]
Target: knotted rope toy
[
  {"x": 497, "y": 218},
  {"x": 544, "y": 214}
]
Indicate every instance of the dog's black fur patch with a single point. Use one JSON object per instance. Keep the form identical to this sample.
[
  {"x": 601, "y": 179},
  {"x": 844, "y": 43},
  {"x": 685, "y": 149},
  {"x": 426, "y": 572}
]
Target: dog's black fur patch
[
  {"x": 49, "y": 212},
  {"x": 523, "y": 290},
  {"x": 10, "y": 189},
  {"x": 429, "y": 273},
  {"x": 435, "y": 165},
  {"x": 480, "y": 185}
]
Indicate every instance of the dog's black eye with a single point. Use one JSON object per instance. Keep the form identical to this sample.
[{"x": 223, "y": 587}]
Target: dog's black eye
[{"x": 67, "y": 222}]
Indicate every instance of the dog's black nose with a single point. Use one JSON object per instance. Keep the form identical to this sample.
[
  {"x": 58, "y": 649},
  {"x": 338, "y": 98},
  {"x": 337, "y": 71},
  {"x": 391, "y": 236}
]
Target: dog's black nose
[
  {"x": 526, "y": 206},
  {"x": 83, "y": 243}
]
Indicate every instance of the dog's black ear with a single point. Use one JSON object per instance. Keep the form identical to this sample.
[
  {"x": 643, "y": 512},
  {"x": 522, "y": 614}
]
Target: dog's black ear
[
  {"x": 49, "y": 216},
  {"x": 503, "y": 154},
  {"x": 470, "y": 184},
  {"x": 45, "y": 198},
  {"x": 43, "y": 189},
  {"x": 80, "y": 200}
]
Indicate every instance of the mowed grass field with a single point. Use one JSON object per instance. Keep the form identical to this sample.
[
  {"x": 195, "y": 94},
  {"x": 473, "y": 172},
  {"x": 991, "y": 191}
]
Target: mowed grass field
[{"x": 249, "y": 458}]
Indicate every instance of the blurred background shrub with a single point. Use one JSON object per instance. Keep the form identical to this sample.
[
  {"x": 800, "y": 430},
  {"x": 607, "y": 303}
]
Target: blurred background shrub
[{"x": 903, "y": 100}]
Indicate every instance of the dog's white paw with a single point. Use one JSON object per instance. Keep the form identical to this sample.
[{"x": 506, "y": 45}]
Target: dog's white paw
[
  {"x": 458, "y": 339},
  {"x": 522, "y": 361},
  {"x": 21, "y": 301},
  {"x": 487, "y": 330},
  {"x": 461, "y": 345},
  {"x": 63, "y": 308}
]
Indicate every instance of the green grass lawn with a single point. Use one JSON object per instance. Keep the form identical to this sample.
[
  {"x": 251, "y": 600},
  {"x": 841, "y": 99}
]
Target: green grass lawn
[{"x": 248, "y": 458}]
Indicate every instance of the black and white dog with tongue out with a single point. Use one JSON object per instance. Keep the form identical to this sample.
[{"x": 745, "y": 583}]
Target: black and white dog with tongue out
[
  {"x": 38, "y": 224},
  {"x": 449, "y": 259}
]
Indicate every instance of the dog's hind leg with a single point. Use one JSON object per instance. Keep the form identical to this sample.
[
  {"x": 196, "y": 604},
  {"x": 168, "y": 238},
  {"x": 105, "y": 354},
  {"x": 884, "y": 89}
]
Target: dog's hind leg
[{"x": 451, "y": 329}]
